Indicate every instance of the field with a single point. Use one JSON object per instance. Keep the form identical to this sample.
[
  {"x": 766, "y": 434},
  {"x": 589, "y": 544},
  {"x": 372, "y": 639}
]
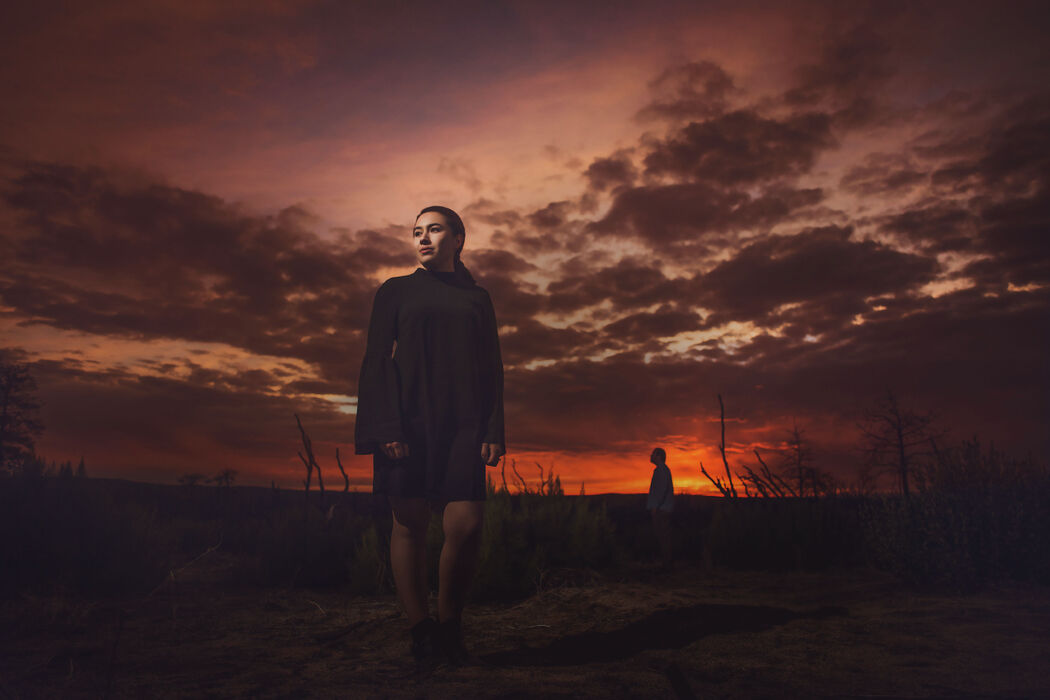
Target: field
[
  {"x": 228, "y": 611},
  {"x": 687, "y": 633}
]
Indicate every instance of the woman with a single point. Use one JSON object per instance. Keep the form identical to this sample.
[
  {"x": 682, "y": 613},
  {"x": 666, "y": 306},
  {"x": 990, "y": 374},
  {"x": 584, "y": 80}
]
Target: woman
[
  {"x": 661, "y": 503},
  {"x": 430, "y": 411}
]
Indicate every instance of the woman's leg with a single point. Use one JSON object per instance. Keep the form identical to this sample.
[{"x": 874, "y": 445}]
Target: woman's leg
[
  {"x": 662, "y": 526},
  {"x": 408, "y": 555},
  {"x": 459, "y": 556}
]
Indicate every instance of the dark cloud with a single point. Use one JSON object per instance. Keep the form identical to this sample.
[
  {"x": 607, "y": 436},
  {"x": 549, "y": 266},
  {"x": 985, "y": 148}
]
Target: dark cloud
[
  {"x": 157, "y": 427},
  {"x": 528, "y": 242},
  {"x": 937, "y": 227},
  {"x": 693, "y": 90},
  {"x": 486, "y": 212},
  {"x": 1015, "y": 234},
  {"x": 689, "y": 219},
  {"x": 838, "y": 319},
  {"x": 846, "y": 77},
  {"x": 883, "y": 174},
  {"x": 611, "y": 173},
  {"x": 514, "y": 299},
  {"x": 109, "y": 254},
  {"x": 953, "y": 354},
  {"x": 999, "y": 183},
  {"x": 742, "y": 148},
  {"x": 530, "y": 340},
  {"x": 551, "y": 216},
  {"x": 821, "y": 268},
  {"x": 629, "y": 284},
  {"x": 645, "y": 326},
  {"x": 1004, "y": 156}
]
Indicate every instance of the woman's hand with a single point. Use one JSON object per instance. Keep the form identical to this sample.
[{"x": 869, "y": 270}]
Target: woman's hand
[
  {"x": 491, "y": 452},
  {"x": 395, "y": 450}
]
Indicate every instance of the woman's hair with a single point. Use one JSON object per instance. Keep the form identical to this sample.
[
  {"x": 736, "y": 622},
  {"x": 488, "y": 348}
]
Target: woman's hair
[
  {"x": 456, "y": 224},
  {"x": 659, "y": 451}
]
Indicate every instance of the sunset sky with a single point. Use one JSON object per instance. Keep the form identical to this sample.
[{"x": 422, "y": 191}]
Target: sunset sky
[{"x": 795, "y": 205}]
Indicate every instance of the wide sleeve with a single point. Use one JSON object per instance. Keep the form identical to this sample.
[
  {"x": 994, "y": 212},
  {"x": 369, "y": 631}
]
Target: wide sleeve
[
  {"x": 493, "y": 364},
  {"x": 379, "y": 387}
]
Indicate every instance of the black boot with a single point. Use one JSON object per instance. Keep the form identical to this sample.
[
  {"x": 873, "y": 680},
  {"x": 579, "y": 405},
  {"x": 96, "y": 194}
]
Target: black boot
[
  {"x": 424, "y": 642},
  {"x": 451, "y": 647}
]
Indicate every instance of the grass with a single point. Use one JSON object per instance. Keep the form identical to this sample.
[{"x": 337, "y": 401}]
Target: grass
[{"x": 92, "y": 537}]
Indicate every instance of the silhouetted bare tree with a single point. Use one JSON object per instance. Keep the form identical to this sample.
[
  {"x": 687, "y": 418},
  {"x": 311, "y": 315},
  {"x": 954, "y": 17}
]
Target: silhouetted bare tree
[
  {"x": 797, "y": 459},
  {"x": 727, "y": 489},
  {"x": 894, "y": 437},
  {"x": 797, "y": 464},
  {"x": 309, "y": 461},
  {"x": 766, "y": 482},
  {"x": 18, "y": 408},
  {"x": 225, "y": 477},
  {"x": 346, "y": 479}
]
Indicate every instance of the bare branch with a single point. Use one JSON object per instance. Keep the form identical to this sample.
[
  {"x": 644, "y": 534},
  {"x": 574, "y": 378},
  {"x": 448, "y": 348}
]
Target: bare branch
[
  {"x": 715, "y": 481},
  {"x": 346, "y": 479},
  {"x": 722, "y": 445}
]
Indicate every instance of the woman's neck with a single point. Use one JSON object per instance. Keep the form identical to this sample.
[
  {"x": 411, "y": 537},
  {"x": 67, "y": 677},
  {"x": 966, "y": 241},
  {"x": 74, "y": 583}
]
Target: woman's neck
[{"x": 434, "y": 268}]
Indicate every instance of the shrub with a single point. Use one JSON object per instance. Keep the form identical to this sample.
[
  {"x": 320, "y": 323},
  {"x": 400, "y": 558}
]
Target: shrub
[
  {"x": 368, "y": 565},
  {"x": 57, "y": 536},
  {"x": 527, "y": 534},
  {"x": 784, "y": 533}
]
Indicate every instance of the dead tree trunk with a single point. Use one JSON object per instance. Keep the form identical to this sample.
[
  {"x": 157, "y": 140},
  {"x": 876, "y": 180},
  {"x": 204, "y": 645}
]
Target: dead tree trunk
[
  {"x": 892, "y": 435},
  {"x": 309, "y": 462},
  {"x": 346, "y": 479},
  {"x": 727, "y": 489}
]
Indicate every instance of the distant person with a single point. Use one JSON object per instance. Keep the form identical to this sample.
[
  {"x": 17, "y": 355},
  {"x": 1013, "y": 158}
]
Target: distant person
[
  {"x": 430, "y": 411},
  {"x": 661, "y": 503}
]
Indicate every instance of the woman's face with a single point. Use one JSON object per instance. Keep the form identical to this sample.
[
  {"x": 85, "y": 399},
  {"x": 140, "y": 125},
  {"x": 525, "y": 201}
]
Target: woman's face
[{"x": 435, "y": 243}]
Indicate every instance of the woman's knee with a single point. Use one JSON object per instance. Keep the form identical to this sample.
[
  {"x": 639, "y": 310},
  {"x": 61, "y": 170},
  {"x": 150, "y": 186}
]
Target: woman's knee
[
  {"x": 463, "y": 520},
  {"x": 411, "y": 516}
]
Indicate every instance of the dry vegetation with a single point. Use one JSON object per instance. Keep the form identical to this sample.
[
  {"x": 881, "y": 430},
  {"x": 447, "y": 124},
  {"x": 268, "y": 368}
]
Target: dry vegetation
[{"x": 123, "y": 589}]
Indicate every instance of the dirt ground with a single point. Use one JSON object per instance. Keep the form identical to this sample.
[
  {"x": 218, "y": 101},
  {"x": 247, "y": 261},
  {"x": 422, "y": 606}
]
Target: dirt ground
[{"x": 631, "y": 633}]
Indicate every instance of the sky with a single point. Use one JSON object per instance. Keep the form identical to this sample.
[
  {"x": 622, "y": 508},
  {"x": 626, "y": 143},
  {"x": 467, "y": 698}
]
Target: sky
[{"x": 794, "y": 206}]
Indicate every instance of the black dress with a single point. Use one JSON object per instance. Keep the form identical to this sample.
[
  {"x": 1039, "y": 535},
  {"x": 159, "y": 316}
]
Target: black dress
[{"x": 432, "y": 377}]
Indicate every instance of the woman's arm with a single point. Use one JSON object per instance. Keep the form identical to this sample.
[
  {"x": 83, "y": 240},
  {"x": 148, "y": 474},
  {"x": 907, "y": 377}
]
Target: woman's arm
[
  {"x": 668, "y": 489},
  {"x": 494, "y": 436},
  {"x": 379, "y": 387}
]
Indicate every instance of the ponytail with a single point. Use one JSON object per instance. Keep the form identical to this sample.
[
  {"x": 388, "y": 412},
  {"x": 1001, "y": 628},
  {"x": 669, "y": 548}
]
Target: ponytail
[{"x": 463, "y": 272}]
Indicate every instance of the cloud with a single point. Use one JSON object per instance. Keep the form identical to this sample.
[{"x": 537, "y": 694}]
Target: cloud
[
  {"x": 742, "y": 148},
  {"x": 690, "y": 219},
  {"x": 698, "y": 89},
  {"x": 531, "y": 340},
  {"x": 883, "y": 174},
  {"x": 611, "y": 173},
  {"x": 845, "y": 78},
  {"x": 821, "y": 268},
  {"x": 994, "y": 197},
  {"x": 460, "y": 170},
  {"x": 725, "y": 229},
  {"x": 156, "y": 427},
  {"x": 498, "y": 271},
  {"x": 111, "y": 254},
  {"x": 953, "y": 354},
  {"x": 630, "y": 283},
  {"x": 644, "y": 327},
  {"x": 551, "y": 216},
  {"x": 937, "y": 227},
  {"x": 1014, "y": 235}
]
